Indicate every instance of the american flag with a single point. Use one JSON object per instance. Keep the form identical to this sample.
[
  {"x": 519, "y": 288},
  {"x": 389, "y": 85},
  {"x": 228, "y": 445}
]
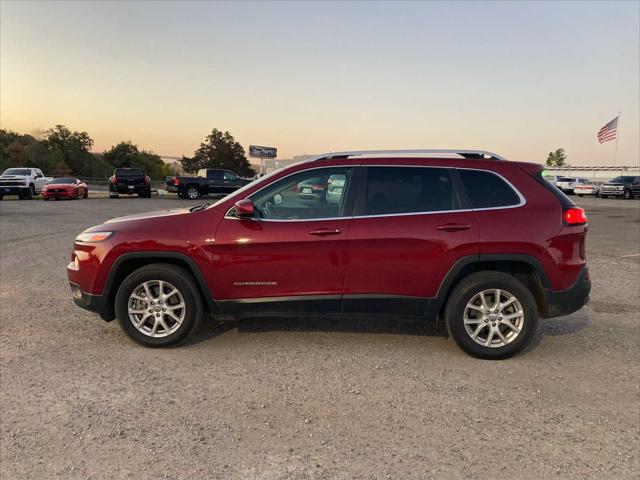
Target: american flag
[{"x": 609, "y": 131}]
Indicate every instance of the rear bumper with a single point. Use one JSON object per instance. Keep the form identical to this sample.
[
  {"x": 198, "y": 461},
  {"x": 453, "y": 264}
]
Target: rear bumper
[
  {"x": 93, "y": 303},
  {"x": 571, "y": 300},
  {"x": 125, "y": 190}
]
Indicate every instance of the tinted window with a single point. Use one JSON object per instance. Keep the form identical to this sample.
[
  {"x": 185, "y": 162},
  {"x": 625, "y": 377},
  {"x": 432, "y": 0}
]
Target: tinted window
[
  {"x": 128, "y": 171},
  {"x": 17, "y": 171},
  {"x": 487, "y": 190},
  {"x": 318, "y": 193},
  {"x": 229, "y": 176},
  {"x": 214, "y": 175},
  {"x": 407, "y": 190},
  {"x": 622, "y": 180},
  {"x": 63, "y": 180}
]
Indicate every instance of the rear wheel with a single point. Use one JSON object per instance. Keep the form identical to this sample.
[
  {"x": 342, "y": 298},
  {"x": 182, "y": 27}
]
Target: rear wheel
[
  {"x": 491, "y": 315},
  {"x": 193, "y": 193},
  {"x": 159, "y": 305}
]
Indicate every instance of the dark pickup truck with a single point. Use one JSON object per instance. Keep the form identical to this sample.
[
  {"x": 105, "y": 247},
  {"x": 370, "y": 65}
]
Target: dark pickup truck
[
  {"x": 208, "y": 181},
  {"x": 129, "y": 181},
  {"x": 625, "y": 186}
]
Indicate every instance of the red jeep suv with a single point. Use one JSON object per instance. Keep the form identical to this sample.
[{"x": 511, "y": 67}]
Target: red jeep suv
[{"x": 485, "y": 244}]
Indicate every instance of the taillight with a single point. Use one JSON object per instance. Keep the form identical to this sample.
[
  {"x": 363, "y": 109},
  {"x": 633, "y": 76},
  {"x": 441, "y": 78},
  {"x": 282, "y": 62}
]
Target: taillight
[
  {"x": 147, "y": 180},
  {"x": 574, "y": 216},
  {"x": 176, "y": 181},
  {"x": 114, "y": 180}
]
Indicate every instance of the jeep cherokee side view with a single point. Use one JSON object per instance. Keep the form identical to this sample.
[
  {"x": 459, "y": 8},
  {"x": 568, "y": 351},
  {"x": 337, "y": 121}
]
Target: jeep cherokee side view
[{"x": 485, "y": 244}]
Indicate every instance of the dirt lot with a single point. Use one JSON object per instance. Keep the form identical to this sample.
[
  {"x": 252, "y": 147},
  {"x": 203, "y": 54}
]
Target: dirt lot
[{"x": 309, "y": 398}]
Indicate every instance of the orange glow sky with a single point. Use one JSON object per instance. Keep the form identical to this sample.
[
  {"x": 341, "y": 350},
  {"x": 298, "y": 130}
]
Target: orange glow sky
[{"x": 516, "y": 78}]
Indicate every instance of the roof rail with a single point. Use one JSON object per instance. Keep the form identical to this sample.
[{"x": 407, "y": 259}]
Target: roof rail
[{"x": 471, "y": 154}]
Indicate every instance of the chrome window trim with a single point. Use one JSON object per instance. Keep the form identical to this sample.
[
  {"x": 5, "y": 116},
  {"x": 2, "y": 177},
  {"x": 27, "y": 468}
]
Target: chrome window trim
[{"x": 522, "y": 202}]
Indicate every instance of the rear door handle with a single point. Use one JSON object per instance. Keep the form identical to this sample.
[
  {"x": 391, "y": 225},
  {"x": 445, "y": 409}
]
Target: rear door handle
[
  {"x": 321, "y": 232},
  {"x": 453, "y": 227}
]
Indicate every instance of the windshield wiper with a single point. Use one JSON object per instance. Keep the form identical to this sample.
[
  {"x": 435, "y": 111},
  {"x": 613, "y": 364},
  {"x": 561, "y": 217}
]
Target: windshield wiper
[{"x": 199, "y": 208}]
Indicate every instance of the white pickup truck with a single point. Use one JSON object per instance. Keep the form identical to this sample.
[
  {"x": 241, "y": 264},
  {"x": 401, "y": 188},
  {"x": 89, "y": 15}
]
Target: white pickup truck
[{"x": 24, "y": 182}]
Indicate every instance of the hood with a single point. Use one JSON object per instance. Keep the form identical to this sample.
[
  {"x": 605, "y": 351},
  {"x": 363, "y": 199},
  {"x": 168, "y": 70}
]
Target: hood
[{"x": 149, "y": 215}]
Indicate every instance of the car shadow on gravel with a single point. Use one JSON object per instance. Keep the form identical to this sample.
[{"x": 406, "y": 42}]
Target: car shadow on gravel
[
  {"x": 553, "y": 327},
  {"x": 376, "y": 324}
]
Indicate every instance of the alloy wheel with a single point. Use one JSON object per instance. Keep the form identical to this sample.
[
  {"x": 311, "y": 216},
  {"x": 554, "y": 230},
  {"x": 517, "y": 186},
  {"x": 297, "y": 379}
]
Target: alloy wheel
[
  {"x": 156, "y": 308},
  {"x": 192, "y": 193},
  {"x": 493, "y": 318}
]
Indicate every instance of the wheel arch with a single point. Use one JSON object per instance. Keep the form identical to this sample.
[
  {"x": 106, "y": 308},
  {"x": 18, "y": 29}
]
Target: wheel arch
[
  {"x": 129, "y": 262},
  {"x": 525, "y": 268}
]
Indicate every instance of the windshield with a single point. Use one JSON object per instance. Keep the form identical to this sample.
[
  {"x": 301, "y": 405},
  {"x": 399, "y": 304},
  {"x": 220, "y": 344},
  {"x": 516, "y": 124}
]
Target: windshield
[
  {"x": 566, "y": 179},
  {"x": 622, "y": 180},
  {"x": 63, "y": 180},
  {"x": 17, "y": 171},
  {"x": 249, "y": 185}
]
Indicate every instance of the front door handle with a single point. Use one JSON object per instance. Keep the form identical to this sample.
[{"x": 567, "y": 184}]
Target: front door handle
[
  {"x": 321, "y": 232},
  {"x": 453, "y": 227}
]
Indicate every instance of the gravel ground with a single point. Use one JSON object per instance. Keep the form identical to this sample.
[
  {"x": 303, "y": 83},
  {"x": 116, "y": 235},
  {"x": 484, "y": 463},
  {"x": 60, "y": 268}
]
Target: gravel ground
[{"x": 309, "y": 398}]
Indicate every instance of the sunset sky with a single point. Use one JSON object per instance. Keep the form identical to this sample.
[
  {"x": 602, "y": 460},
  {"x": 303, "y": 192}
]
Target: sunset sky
[{"x": 516, "y": 78}]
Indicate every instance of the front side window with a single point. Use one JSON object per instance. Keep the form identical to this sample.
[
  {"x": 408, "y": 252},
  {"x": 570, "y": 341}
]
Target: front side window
[
  {"x": 397, "y": 190},
  {"x": 230, "y": 177},
  {"x": 488, "y": 190},
  {"x": 313, "y": 194}
]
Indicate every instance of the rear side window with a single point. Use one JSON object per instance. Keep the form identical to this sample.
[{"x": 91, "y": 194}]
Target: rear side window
[
  {"x": 393, "y": 190},
  {"x": 488, "y": 190},
  {"x": 214, "y": 175}
]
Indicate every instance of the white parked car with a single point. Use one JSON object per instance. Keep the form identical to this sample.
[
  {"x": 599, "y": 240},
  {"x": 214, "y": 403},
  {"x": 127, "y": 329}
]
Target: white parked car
[
  {"x": 587, "y": 189},
  {"x": 568, "y": 184},
  {"x": 23, "y": 182},
  {"x": 335, "y": 187}
]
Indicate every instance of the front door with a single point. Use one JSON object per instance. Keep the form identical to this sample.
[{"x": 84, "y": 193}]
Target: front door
[
  {"x": 407, "y": 232},
  {"x": 292, "y": 254}
]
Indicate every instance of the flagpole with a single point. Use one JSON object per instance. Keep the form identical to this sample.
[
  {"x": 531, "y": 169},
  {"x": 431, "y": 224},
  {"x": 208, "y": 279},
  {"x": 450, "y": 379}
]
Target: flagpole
[{"x": 615, "y": 150}]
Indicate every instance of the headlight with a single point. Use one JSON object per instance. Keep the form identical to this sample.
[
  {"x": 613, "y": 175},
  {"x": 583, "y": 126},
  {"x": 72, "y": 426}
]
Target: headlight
[{"x": 93, "y": 237}]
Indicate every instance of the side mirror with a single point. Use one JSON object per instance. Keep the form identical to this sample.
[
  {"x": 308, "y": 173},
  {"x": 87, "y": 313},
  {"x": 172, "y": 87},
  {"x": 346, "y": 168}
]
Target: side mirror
[{"x": 244, "y": 208}]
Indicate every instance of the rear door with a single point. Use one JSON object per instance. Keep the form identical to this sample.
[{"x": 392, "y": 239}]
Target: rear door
[
  {"x": 215, "y": 181},
  {"x": 408, "y": 230}
]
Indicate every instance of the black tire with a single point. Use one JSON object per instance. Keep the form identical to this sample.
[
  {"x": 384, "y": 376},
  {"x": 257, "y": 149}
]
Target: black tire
[
  {"x": 193, "y": 192},
  {"x": 86, "y": 194},
  {"x": 182, "y": 280},
  {"x": 1, "y": 197},
  {"x": 472, "y": 285},
  {"x": 580, "y": 195},
  {"x": 181, "y": 195},
  {"x": 45, "y": 199},
  {"x": 113, "y": 195},
  {"x": 604, "y": 196},
  {"x": 628, "y": 194},
  {"x": 30, "y": 193}
]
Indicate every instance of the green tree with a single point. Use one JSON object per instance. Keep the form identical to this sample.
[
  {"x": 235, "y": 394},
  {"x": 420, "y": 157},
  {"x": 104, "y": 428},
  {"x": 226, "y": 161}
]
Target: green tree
[
  {"x": 219, "y": 150},
  {"x": 557, "y": 158},
  {"x": 74, "y": 146}
]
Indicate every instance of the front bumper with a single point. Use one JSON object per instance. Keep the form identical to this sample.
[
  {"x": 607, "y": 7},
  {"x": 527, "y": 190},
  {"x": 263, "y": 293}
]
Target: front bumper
[
  {"x": 63, "y": 194},
  {"x": 571, "y": 300},
  {"x": 93, "y": 303},
  {"x": 13, "y": 190}
]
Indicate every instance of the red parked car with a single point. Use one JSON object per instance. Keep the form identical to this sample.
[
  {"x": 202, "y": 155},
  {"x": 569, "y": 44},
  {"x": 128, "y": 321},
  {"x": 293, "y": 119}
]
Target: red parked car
[
  {"x": 485, "y": 244},
  {"x": 66, "y": 187}
]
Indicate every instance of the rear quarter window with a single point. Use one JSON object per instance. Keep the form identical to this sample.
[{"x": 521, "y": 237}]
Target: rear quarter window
[{"x": 488, "y": 190}]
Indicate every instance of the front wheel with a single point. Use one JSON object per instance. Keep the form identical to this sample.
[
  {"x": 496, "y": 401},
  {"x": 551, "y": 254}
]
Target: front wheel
[
  {"x": 491, "y": 315},
  {"x": 159, "y": 305},
  {"x": 627, "y": 195},
  {"x": 604, "y": 196}
]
